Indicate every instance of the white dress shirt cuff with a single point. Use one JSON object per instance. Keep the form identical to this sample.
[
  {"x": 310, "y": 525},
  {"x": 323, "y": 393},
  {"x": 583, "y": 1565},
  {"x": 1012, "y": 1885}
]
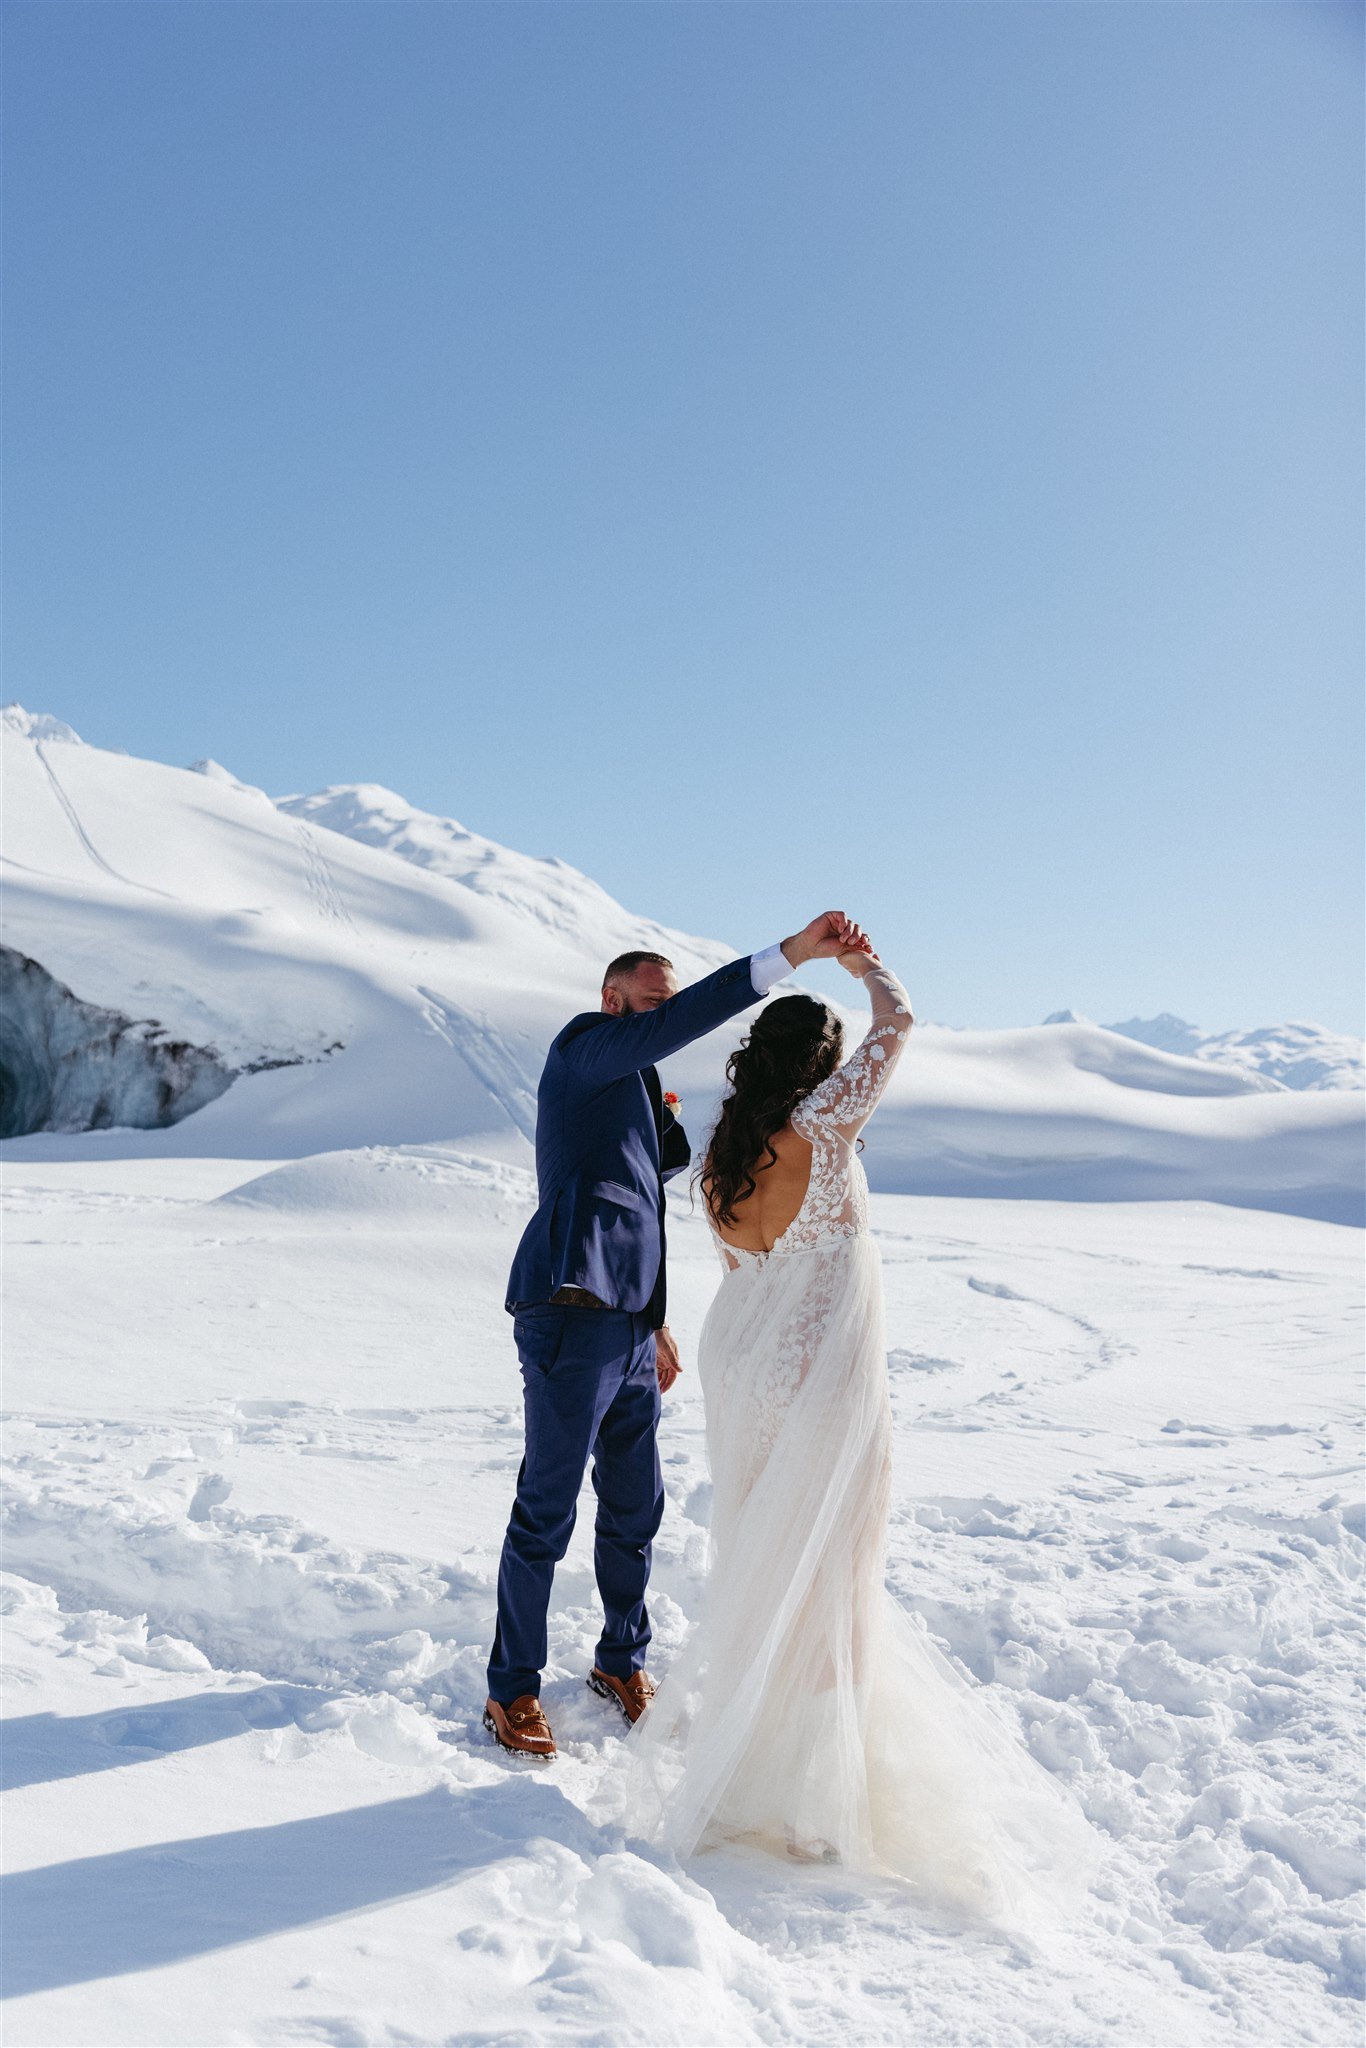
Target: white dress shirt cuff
[{"x": 768, "y": 968}]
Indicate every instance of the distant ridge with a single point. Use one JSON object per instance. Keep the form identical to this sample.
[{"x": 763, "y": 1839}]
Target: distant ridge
[{"x": 1296, "y": 1055}]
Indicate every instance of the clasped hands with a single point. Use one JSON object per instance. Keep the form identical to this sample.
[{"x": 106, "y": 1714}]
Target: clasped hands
[{"x": 833, "y": 936}]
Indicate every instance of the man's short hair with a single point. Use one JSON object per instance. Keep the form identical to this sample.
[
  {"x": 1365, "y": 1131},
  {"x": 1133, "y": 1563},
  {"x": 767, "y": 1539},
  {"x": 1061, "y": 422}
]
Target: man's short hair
[{"x": 627, "y": 963}]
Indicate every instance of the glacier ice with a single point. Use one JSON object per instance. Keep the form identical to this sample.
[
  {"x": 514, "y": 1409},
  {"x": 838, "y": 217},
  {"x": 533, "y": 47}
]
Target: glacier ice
[{"x": 67, "y": 1065}]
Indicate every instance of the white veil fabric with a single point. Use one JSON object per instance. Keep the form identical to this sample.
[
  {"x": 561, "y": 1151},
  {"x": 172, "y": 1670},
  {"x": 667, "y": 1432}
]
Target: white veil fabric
[{"x": 807, "y": 1712}]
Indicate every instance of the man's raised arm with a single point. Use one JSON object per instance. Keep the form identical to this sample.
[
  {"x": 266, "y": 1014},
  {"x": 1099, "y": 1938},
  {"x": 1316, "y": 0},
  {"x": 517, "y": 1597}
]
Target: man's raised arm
[{"x": 606, "y": 1049}]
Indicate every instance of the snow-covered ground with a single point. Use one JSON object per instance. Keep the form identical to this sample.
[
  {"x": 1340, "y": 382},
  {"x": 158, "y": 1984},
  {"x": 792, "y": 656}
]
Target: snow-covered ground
[
  {"x": 263, "y": 1432},
  {"x": 264, "y": 1424}
]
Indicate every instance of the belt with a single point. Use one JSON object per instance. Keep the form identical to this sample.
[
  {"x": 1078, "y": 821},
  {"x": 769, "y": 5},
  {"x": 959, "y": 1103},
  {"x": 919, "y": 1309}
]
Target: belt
[{"x": 577, "y": 1297}]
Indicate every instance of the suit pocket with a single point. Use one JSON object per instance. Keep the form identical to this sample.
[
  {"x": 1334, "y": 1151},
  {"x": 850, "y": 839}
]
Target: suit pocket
[
  {"x": 615, "y": 1191},
  {"x": 538, "y": 1334}
]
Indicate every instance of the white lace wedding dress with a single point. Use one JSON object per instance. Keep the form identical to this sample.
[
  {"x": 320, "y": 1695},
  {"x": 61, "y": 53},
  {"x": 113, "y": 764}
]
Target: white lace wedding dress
[{"x": 807, "y": 1711}]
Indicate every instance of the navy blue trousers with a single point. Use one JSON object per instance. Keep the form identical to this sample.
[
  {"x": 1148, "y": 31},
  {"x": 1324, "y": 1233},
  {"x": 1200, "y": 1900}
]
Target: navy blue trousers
[{"x": 590, "y": 1388}]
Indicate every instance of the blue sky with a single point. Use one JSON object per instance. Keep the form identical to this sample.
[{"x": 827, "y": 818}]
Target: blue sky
[{"x": 903, "y": 456}]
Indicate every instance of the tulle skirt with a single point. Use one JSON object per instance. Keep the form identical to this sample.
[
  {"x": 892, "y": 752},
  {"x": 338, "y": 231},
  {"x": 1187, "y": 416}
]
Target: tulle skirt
[{"x": 808, "y": 1712}]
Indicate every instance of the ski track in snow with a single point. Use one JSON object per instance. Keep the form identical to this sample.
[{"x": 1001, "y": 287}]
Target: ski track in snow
[
  {"x": 74, "y": 819},
  {"x": 319, "y": 879},
  {"x": 1175, "y": 1628},
  {"x": 482, "y": 1049}
]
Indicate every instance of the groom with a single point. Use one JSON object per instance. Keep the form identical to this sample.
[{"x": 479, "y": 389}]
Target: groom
[{"x": 587, "y": 1294}]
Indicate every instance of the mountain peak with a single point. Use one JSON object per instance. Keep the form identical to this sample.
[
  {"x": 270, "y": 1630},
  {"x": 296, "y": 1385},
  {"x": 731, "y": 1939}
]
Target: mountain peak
[
  {"x": 214, "y": 771},
  {"x": 370, "y": 812},
  {"x": 38, "y": 725},
  {"x": 1165, "y": 1032}
]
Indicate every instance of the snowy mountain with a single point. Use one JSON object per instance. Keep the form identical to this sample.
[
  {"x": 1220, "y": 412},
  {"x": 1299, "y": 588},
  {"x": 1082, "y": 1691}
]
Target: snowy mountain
[
  {"x": 368, "y": 974},
  {"x": 548, "y": 893},
  {"x": 1298, "y": 1055},
  {"x": 358, "y": 999},
  {"x": 1292, "y": 1055}
]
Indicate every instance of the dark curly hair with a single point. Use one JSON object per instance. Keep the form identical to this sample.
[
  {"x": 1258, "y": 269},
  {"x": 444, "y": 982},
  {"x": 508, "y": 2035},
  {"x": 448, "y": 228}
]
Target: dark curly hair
[{"x": 793, "y": 1045}]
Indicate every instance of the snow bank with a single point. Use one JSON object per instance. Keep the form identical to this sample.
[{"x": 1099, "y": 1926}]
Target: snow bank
[{"x": 430, "y": 1186}]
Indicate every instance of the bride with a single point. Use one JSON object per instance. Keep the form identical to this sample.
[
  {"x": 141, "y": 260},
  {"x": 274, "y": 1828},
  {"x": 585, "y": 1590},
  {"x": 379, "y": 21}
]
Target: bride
[{"x": 808, "y": 1713}]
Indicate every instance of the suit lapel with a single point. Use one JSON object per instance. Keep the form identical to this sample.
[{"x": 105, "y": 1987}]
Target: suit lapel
[{"x": 650, "y": 1076}]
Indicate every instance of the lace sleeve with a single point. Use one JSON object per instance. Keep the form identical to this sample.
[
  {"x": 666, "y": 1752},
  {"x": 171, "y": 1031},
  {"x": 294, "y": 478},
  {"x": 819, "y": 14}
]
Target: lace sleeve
[{"x": 847, "y": 1098}]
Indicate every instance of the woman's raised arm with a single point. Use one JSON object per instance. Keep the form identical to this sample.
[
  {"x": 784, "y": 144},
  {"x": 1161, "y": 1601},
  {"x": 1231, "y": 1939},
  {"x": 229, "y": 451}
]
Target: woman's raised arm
[{"x": 846, "y": 1099}]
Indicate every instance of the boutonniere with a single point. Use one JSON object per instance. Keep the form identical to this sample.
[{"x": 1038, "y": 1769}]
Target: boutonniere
[{"x": 671, "y": 1101}]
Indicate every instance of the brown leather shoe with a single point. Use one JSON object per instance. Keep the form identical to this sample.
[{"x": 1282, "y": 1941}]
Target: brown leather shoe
[
  {"x": 632, "y": 1695},
  {"x": 521, "y": 1727}
]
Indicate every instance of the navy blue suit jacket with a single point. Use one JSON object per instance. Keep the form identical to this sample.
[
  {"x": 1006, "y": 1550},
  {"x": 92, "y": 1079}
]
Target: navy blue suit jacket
[{"x": 605, "y": 1147}]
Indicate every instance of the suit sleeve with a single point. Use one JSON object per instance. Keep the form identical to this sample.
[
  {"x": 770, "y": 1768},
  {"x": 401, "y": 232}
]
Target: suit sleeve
[{"x": 599, "y": 1050}]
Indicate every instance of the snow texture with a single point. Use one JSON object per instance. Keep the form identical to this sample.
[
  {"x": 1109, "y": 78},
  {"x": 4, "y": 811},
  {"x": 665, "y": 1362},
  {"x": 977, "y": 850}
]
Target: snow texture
[{"x": 262, "y": 1443}]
